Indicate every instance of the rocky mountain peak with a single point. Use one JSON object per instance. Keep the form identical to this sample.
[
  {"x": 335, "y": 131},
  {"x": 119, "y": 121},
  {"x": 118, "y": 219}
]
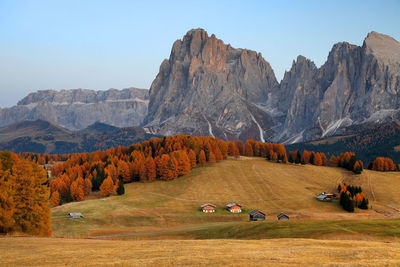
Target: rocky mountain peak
[
  {"x": 205, "y": 84},
  {"x": 384, "y": 48}
]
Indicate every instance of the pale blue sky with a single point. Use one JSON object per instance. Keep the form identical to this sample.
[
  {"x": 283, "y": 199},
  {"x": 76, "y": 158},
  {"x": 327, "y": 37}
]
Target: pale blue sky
[{"x": 118, "y": 44}]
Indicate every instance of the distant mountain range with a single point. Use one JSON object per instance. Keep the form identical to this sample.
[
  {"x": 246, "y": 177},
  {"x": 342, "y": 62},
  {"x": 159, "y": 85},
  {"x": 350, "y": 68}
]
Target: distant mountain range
[
  {"x": 207, "y": 87},
  {"x": 76, "y": 109},
  {"x": 44, "y": 137}
]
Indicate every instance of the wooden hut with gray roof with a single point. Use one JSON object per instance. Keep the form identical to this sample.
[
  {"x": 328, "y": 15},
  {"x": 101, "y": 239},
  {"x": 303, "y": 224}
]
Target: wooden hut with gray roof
[
  {"x": 256, "y": 215},
  {"x": 283, "y": 217},
  {"x": 75, "y": 215}
]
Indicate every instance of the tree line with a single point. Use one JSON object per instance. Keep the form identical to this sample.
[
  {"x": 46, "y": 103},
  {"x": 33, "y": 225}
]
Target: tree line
[{"x": 383, "y": 164}]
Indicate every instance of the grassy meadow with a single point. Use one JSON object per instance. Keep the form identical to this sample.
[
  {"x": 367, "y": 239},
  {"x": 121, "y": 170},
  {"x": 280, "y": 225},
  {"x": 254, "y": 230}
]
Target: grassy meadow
[
  {"x": 24, "y": 251},
  {"x": 253, "y": 182}
]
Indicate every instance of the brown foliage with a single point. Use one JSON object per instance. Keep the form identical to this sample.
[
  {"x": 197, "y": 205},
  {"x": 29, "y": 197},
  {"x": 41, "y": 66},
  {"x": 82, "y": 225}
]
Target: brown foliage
[{"x": 107, "y": 187}]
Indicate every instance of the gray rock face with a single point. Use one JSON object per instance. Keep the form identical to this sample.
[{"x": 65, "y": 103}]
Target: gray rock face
[
  {"x": 356, "y": 85},
  {"x": 209, "y": 88},
  {"x": 77, "y": 109}
]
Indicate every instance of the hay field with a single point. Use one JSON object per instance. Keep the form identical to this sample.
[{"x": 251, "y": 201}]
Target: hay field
[
  {"x": 23, "y": 251},
  {"x": 253, "y": 182}
]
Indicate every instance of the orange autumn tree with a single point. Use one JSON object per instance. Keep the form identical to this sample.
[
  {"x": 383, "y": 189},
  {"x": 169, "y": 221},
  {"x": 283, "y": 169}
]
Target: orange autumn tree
[
  {"x": 150, "y": 167},
  {"x": 77, "y": 192},
  {"x": 166, "y": 167},
  {"x": 212, "y": 159},
  {"x": 107, "y": 187},
  {"x": 7, "y": 204},
  {"x": 183, "y": 162},
  {"x": 192, "y": 158},
  {"x": 55, "y": 199},
  {"x": 29, "y": 212},
  {"x": 202, "y": 158},
  {"x": 248, "y": 149}
]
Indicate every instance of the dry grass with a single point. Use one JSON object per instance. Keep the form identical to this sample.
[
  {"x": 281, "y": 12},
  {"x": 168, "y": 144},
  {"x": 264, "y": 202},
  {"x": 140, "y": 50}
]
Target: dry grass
[
  {"x": 253, "y": 182},
  {"x": 70, "y": 252}
]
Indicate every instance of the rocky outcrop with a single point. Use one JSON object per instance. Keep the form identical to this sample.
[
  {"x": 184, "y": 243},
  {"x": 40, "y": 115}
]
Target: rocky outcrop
[
  {"x": 356, "y": 85},
  {"x": 209, "y": 88},
  {"x": 77, "y": 109}
]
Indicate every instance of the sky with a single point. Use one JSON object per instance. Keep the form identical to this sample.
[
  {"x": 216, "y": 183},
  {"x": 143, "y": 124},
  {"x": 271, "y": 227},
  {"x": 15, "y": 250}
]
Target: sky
[{"x": 118, "y": 44}]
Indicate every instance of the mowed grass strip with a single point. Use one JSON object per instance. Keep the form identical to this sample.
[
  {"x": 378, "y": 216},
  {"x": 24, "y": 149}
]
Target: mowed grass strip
[
  {"x": 73, "y": 252},
  {"x": 253, "y": 182},
  {"x": 378, "y": 229}
]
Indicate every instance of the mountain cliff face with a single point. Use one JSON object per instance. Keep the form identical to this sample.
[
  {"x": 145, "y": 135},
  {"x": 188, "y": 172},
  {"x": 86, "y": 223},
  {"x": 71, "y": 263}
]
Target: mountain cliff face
[
  {"x": 77, "y": 109},
  {"x": 209, "y": 88},
  {"x": 356, "y": 85}
]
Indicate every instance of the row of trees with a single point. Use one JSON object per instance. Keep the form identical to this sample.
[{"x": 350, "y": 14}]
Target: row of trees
[
  {"x": 308, "y": 157},
  {"x": 384, "y": 165},
  {"x": 157, "y": 159},
  {"x": 347, "y": 160},
  {"x": 24, "y": 195},
  {"x": 351, "y": 197}
]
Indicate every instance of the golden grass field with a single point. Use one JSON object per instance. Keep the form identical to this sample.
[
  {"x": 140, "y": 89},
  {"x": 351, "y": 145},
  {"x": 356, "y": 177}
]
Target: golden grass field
[
  {"x": 253, "y": 182},
  {"x": 317, "y": 234},
  {"x": 23, "y": 251}
]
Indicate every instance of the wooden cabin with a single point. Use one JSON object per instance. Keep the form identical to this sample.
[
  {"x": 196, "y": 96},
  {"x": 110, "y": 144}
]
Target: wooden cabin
[
  {"x": 283, "y": 217},
  {"x": 208, "y": 208},
  {"x": 256, "y": 215},
  {"x": 234, "y": 207},
  {"x": 325, "y": 196},
  {"x": 75, "y": 215}
]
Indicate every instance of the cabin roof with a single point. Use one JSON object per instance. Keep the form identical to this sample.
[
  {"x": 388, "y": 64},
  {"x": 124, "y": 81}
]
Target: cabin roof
[
  {"x": 282, "y": 215},
  {"x": 208, "y": 204},
  {"x": 256, "y": 211},
  {"x": 233, "y": 204},
  {"x": 75, "y": 214}
]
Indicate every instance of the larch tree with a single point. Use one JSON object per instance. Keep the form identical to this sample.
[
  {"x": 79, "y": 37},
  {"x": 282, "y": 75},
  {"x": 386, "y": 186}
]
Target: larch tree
[
  {"x": 192, "y": 158},
  {"x": 32, "y": 212},
  {"x": 212, "y": 159},
  {"x": 77, "y": 192},
  {"x": 55, "y": 199},
  {"x": 88, "y": 186},
  {"x": 317, "y": 161},
  {"x": 150, "y": 167},
  {"x": 107, "y": 187},
  {"x": 240, "y": 147},
  {"x": 183, "y": 162},
  {"x": 248, "y": 149},
  {"x": 202, "y": 158},
  {"x": 7, "y": 204}
]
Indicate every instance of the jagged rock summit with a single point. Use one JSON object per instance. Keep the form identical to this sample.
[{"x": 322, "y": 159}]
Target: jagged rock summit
[
  {"x": 356, "y": 85},
  {"x": 207, "y": 87},
  {"x": 210, "y": 88}
]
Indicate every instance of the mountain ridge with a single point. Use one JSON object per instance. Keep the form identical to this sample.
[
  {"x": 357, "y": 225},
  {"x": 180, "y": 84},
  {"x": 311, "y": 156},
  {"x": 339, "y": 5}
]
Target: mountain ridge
[{"x": 207, "y": 87}]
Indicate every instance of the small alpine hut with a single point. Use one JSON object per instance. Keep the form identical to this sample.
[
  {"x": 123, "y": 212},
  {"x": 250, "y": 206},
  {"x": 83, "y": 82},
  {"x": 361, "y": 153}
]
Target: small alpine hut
[
  {"x": 325, "y": 196},
  {"x": 75, "y": 215},
  {"x": 283, "y": 217},
  {"x": 208, "y": 208},
  {"x": 256, "y": 215},
  {"x": 234, "y": 207}
]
